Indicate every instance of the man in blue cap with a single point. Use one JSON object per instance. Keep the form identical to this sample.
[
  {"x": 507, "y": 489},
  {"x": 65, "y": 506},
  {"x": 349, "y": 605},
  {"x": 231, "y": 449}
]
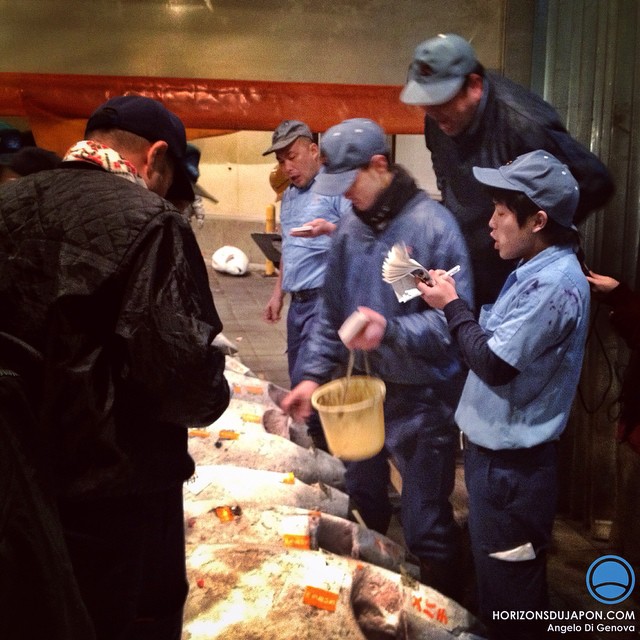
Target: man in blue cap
[
  {"x": 474, "y": 117},
  {"x": 403, "y": 343},
  {"x": 524, "y": 355},
  {"x": 103, "y": 285}
]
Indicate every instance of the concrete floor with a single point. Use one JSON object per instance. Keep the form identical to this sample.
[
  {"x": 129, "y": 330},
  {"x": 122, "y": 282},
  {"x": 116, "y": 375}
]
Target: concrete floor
[{"x": 261, "y": 347}]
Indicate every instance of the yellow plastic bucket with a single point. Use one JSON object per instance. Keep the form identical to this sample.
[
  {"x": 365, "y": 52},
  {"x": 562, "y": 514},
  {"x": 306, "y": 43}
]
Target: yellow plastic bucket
[{"x": 353, "y": 422}]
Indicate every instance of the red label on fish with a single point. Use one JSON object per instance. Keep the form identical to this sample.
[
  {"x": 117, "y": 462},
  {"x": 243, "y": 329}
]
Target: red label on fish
[{"x": 320, "y": 598}]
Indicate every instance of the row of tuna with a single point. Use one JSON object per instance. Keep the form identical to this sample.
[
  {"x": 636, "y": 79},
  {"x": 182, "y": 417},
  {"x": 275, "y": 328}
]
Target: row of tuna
[{"x": 272, "y": 550}]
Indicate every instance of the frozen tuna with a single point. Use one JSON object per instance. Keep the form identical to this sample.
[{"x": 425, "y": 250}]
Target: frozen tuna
[
  {"x": 229, "y": 485},
  {"x": 244, "y": 591},
  {"x": 291, "y": 527},
  {"x": 261, "y": 450}
]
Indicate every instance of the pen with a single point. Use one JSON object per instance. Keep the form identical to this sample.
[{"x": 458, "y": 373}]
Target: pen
[{"x": 452, "y": 271}]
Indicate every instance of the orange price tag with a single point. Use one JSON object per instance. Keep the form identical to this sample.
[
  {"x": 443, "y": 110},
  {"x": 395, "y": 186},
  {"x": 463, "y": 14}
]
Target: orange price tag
[
  {"x": 251, "y": 390},
  {"x": 225, "y": 514},
  {"x": 255, "y": 391},
  {"x": 320, "y": 598},
  {"x": 251, "y": 417},
  {"x": 227, "y": 434},
  {"x": 295, "y": 541},
  {"x": 199, "y": 433}
]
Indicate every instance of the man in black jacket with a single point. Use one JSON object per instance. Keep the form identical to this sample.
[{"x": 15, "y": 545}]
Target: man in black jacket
[
  {"x": 473, "y": 117},
  {"x": 103, "y": 277}
]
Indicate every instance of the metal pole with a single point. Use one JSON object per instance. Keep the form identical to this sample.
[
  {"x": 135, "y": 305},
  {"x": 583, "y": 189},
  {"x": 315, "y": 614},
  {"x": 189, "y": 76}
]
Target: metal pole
[{"x": 270, "y": 227}]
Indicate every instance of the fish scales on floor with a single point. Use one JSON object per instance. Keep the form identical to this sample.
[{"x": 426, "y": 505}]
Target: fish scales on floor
[{"x": 273, "y": 549}]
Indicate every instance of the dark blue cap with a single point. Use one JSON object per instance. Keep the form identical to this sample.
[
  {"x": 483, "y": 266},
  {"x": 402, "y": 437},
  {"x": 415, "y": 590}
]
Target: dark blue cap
[{"x": 151, "y": 120}]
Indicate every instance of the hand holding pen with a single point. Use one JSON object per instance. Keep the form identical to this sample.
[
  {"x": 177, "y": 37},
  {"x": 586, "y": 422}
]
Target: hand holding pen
[{"x": 440, "y": 288}]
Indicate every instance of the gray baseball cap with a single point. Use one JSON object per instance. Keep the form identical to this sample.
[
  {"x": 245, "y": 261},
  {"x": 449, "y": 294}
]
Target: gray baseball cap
[
  {"x": 286, "y": 133},
  {"x": 346, "y": 148},
  {"x": 542, "y": 178},
  {"x": 438, "y": 71}
]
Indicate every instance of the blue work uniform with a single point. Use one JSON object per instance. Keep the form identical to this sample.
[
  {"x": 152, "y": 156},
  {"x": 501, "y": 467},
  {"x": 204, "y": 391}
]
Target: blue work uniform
[
  {"x": 304, "y": 261},
  {"x": 417, "y": 360},
  {"x": 538, "y": 325}
]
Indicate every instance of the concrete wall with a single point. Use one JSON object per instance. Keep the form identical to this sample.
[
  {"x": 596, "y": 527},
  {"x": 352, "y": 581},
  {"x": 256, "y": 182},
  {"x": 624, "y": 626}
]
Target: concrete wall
[{"x": 342, "y": 41}]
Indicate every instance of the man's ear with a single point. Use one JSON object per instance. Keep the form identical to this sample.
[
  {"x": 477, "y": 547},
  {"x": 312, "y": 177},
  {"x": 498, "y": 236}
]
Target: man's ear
[
  {"x": 379, "y": 162},
  {"x": 156, "y": 157},
  {"x": 539, "y": 221}
]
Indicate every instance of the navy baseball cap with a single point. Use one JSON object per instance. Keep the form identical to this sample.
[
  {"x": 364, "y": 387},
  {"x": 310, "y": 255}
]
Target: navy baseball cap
[
  {"x": 438, "y": 71},
  {"x": 542, "y": 178},
  {"x": 286, "y": 133},
  {"x": 192, "y": 162},
  {"x": 151, "y": 120},
  {"x": 346, "y": 148}
]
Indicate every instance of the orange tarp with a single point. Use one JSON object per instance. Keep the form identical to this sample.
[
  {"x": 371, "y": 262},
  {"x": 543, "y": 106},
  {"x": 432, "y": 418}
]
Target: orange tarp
[{"x": 57, "y": 105}]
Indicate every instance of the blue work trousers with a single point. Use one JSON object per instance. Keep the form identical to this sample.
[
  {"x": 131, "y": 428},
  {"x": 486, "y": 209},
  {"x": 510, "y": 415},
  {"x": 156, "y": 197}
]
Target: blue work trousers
[
  {"x": 512, "y": 503},
  {"x": 423, "y": 448},
  {"x": 299, "y": 324}
]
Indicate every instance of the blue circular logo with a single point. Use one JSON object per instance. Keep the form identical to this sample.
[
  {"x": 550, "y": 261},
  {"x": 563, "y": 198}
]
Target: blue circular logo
[{"x": 610, "y": 579}]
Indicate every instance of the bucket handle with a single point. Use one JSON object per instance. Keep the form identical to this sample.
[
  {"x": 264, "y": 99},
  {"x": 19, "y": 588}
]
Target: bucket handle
[{"x": 352, "y": 358}]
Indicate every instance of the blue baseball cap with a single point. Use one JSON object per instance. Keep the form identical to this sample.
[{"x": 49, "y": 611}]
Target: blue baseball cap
[
  {"x": 542, "y": 178},
  {"x": 346, "y": 148},
  {"x": 151, "y": 120},
  {"x": 438, "y": 71}
]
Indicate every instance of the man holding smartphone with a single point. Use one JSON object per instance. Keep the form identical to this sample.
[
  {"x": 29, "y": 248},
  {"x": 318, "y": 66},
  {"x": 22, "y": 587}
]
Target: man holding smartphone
[{"x": 307, "y": 220}]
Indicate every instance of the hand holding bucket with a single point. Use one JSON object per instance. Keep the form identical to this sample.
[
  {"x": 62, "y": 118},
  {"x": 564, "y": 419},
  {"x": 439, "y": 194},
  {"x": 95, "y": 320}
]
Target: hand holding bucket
[{"x": 351, "y": 408}]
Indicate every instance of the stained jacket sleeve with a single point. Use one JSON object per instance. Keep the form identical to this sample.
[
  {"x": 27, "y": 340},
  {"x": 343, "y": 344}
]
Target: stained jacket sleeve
[{"x": 474, "y": 346}]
